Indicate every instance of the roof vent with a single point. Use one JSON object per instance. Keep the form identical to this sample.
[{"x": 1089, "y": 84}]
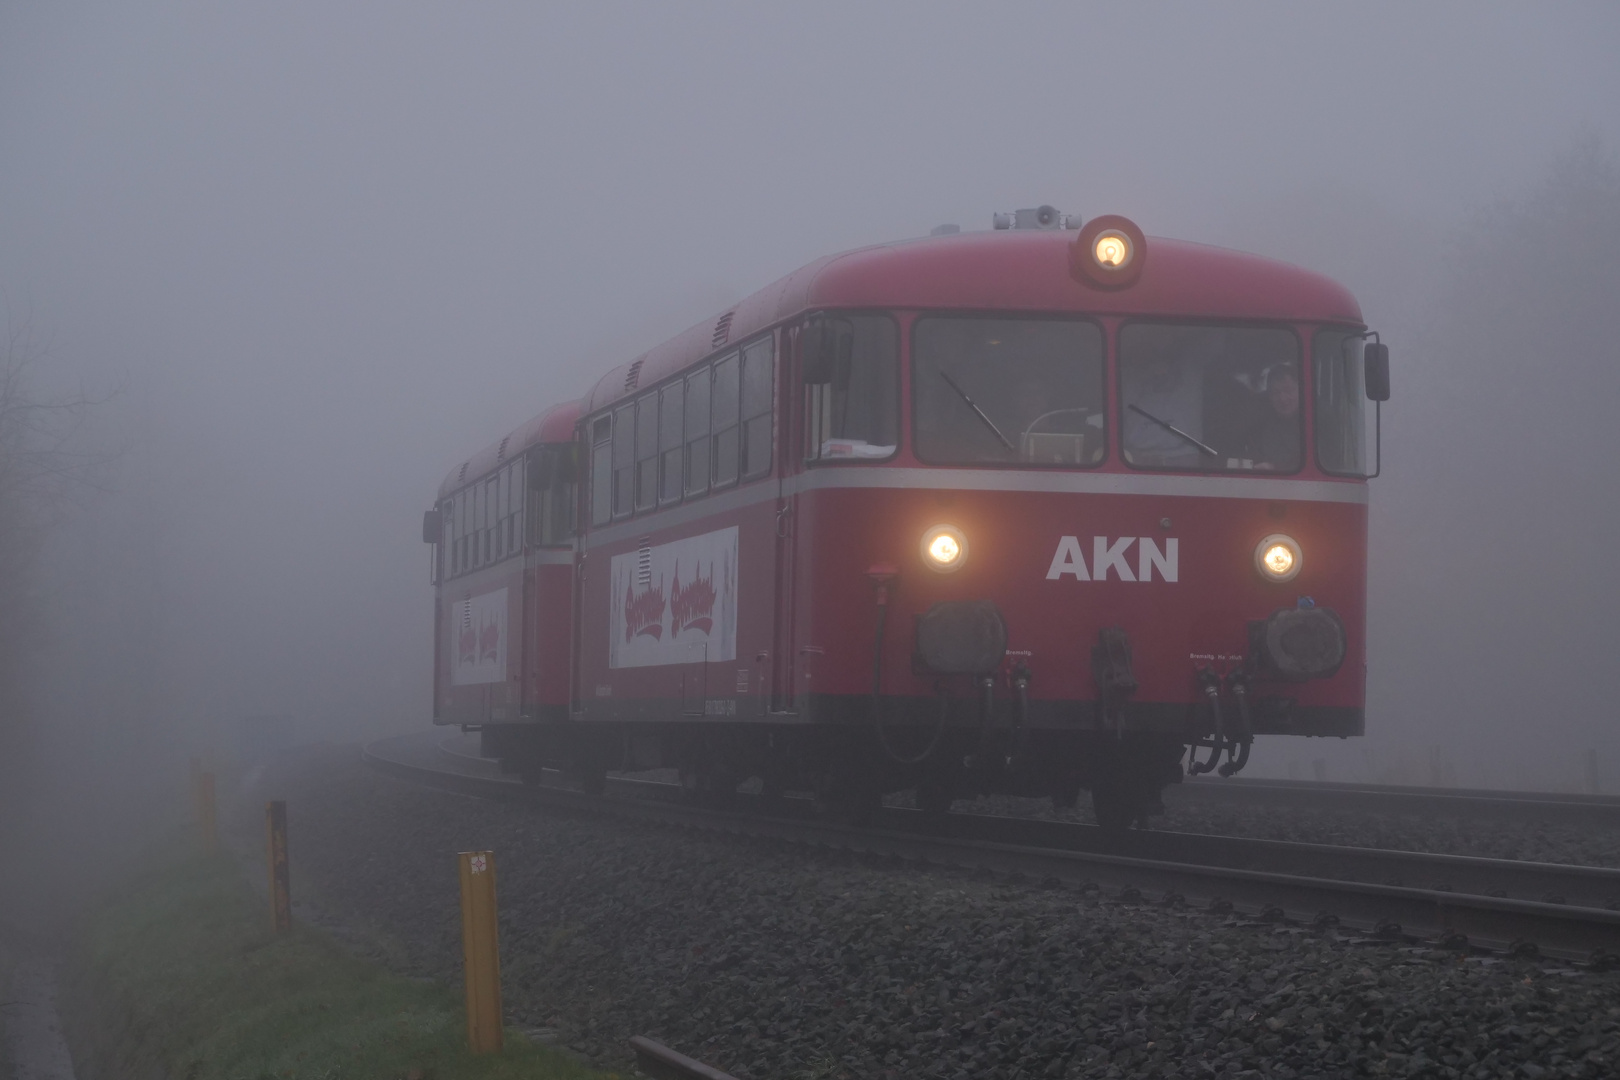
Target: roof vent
[
  {"x": 1042, "y": 217},
  {"x": 500, "y": 452},
  {"x": 722, "y": 330},
  {"x": 945, "y": 230},
  {"x": 633, "y": 376},
  {"x": 462, "y": 475}
]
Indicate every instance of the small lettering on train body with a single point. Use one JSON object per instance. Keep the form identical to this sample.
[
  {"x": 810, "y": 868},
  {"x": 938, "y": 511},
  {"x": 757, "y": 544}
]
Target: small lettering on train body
[
  {"x": 720, "y": 707},
  {"x": 1113, "y": 556}
]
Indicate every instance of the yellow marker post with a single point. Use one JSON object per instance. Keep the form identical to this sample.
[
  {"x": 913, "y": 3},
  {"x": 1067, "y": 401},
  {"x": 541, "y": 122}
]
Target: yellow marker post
[
  {"x": 207, "y": 826},
  {"x": 275, "y": 837},
  {"x": 480, "y": 951}
]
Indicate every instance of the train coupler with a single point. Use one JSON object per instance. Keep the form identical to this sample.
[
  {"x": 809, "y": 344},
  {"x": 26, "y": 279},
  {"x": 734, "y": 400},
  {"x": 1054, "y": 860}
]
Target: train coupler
[{"x": 1233, "y": 743}]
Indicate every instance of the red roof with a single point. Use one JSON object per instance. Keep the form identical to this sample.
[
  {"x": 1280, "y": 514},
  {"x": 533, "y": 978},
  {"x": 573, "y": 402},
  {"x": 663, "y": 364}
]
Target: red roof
[
  {"x": 1011, "y": 270},
  {"x": 555, "y": 425},
  {"x": 1005, "y": 271}
]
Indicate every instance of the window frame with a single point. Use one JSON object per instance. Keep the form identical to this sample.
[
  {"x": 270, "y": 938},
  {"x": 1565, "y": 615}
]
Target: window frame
[
  {"x": 746, "y": 422},
  {"x": 1291, "y": 328},
  {"x": 673, "y": 390},
  {"x": 909, "y": 364},
  {"x": 704, "y": 374},
  {"x": 734, "y": 428},
  {"x": 901, "y": 369},
  {"x": 599, "y": 441},
  {"x": 621, "y": 431},
  {"x": 624, "y": 475},
  {"x": 1349, "y": 330}
]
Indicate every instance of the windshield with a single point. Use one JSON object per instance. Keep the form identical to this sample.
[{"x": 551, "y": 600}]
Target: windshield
[
  {"x": 994, "y": 391},
  {"x": 1210, "y": 397},
  {"x": 1341, "y": 409}
]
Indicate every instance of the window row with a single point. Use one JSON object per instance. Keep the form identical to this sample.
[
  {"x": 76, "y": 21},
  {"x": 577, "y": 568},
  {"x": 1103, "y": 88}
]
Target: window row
[
  {"x": 483, "y": 520},
  {"x": 989, "y": 390},
  {"x": 695, "y": 434},
  {"x": 487, "y": 521}
]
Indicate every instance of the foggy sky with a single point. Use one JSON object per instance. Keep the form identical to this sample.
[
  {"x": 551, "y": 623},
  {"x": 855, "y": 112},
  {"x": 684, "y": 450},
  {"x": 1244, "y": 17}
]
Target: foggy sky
[{"x": 329, "y": 250}]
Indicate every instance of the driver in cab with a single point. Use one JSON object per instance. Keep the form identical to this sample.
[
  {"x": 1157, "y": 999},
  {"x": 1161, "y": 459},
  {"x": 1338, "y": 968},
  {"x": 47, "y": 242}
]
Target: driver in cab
[{"x": 1274, "y": 442}]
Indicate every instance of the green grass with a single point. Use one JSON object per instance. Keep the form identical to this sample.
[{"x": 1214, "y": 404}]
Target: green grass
[{"x": 181, "y": 962}]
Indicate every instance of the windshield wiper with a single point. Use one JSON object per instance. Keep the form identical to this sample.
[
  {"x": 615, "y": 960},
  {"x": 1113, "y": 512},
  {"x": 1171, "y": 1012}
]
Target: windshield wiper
[
  {"x": 989, "y": 423},
  {"x": 1172, "y": 429}
]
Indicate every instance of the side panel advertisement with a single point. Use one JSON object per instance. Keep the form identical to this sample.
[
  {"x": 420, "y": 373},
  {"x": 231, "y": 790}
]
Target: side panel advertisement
[
  {"x": 478, "y": 639},
  {"x": 675, "y": 603}
]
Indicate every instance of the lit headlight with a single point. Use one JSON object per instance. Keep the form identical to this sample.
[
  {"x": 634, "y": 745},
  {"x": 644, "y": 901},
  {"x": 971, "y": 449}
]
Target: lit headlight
[
  {"x": 1278, "y": 558},
  {"x": 1112, "y": 249},
  {"x": 944, "y": 548}
]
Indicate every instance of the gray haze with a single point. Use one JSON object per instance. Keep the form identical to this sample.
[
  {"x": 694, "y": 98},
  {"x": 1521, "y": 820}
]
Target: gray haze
[{"x": 324, "y": 251}]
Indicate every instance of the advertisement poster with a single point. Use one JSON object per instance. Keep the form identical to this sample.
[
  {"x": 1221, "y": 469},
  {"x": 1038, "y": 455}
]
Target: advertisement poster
[
  {"x": 675, "y": 603},
  {"x": 478, "y": 639}
]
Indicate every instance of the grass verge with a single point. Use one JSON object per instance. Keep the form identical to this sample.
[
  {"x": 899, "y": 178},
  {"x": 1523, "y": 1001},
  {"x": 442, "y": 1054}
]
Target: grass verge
[{"x": 177, "y": 975}]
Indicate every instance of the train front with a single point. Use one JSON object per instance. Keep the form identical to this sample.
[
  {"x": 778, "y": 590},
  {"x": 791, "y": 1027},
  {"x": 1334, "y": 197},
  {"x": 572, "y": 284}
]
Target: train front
[{"x": 1103, "y": 507}]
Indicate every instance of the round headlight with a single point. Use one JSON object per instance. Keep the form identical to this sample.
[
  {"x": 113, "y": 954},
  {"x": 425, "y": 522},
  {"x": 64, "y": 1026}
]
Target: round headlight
[
  {"x": 944, "y": 548},
  {"x": 1278, "y": 558},
  {"x": 1112, "y": 249}
]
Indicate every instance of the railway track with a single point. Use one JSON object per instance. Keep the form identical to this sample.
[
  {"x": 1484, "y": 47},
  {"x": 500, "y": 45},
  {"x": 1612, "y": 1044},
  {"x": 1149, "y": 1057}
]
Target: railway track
[
  {"x": 1556, "y": 910},
  {"x": 1480, "y": 804}
]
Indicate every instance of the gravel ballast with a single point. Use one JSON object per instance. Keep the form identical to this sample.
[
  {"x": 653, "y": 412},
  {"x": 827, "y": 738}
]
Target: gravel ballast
[{"x": 773, "y": 962}]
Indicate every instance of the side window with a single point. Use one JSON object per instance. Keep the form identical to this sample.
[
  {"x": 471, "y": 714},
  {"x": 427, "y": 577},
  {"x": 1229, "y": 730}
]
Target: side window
[
  {"x": 465, "y": 501},
  {"x": 514, "y": 510},
  {"x": 602, "y": 470},
  {"x": 562, "y": 498},
  {"x": 697, "y": 432},
  {"x": 669, "y": 443},
  {"x": 851, "y": 388},
  {"x": 491, "y": 490},
  {"x": 498, "y": 501},
  {"x": 647, "y": 453},
  {"x": 624, "y": 461},
  {"x": 756, "y": 408},
  {"x": 459, "y": 515},
  {"x": 723, "y": 418},
  {"x": 477, "y": 500},
  {"x": 452, "y": 537}
]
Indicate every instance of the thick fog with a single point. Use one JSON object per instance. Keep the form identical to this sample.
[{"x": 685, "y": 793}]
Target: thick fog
[{"x": 306, "y": 258}]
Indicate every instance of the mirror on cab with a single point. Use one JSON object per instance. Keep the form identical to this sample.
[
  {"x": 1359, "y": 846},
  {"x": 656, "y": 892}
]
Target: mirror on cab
[
  {"x": 1376, "y": 365},
  {"x": 825, "y": 348},
  {"x": 430, "y": 527}
]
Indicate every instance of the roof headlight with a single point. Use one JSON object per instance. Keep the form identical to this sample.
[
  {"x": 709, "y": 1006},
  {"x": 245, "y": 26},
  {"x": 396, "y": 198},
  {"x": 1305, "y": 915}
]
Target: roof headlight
[
  {"x": 1109, "y": 253},
  {"x": 944, "y": 548},
  {"x": 1112, "y": 249},
  {"x": 1278, "y": 558}
]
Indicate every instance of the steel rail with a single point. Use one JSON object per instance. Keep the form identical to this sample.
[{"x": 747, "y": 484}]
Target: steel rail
[
  {"x": 1480, "y": 804},
  {"x": 1559, "y": 883},
  {"x": 1564, "y": 930},
  {"x": 661, "y": 1063}
]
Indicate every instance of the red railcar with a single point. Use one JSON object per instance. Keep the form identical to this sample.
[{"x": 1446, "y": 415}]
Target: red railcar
[{"x": 1027, "y": 511}]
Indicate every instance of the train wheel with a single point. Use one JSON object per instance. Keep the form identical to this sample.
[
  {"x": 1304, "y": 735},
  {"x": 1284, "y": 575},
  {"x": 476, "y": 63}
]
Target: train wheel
[
  {"x": 847, "y": 799},
  {"x": 772, "y": 793},
  {"x": 935, "y": 794},
  {"x": 711, "y": 789},
  {"x": 592, "y": 780},
  {"x": 1113, "y": 807}
]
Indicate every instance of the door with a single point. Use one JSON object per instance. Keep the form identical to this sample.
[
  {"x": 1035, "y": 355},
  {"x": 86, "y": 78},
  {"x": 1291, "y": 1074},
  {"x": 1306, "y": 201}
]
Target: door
[{"x": 784, "y": 654}]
